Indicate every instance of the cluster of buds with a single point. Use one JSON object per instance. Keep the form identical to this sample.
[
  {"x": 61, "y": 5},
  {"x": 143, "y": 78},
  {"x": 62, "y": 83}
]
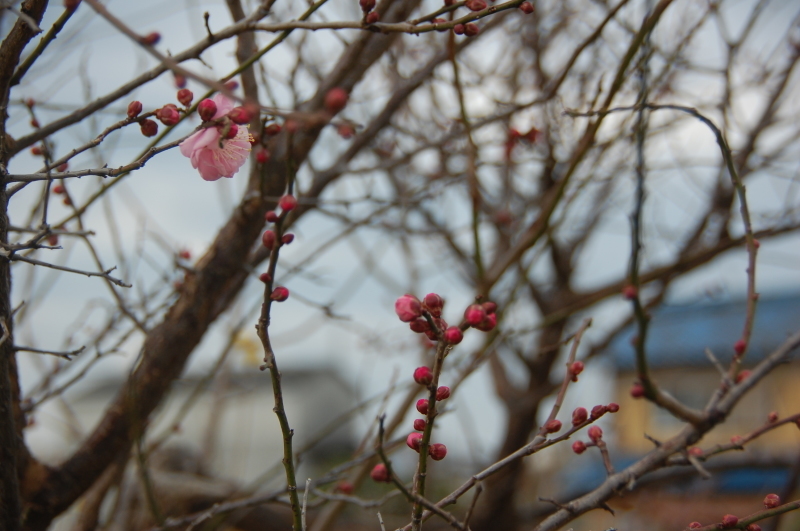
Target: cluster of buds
[
  {"x": 370, "y": 16},
  {"x": 269, "y": 240},
  {"x": 470, "y": 29},
  {"x": 420, "y": 314},
  {"x": 424, "y": 376},
  {"x": 580, "y": 415},
  {"x": 481, "y": 316}
]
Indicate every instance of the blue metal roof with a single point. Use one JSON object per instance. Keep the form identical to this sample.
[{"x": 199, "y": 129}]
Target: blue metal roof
[{"x": 679, "y": 335}]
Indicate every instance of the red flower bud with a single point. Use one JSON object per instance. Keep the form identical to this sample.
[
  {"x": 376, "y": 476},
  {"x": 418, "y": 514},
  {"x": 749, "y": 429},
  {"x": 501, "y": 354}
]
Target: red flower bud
[
  {"x": 579, "y": 447},
  {"x": 613, "y": 407},
  {"x": 419, "y": 326},
  {"x": 488, "y": 323},
  {"x": 489, "y": 307},
  {"x": 437, "y": 451},
  {"x": 576, "y": 368},
  {"x": 742, "y": 376},
  {"x": 272, "y": 129},
  {"x": 695, "y": 451},
  {"x": 434, "y": 304},
  {"x": 458, "y": 29},
  {"x": 58, "y": 189},
  {"x": 262, "y": 155},
  {"x": 552, "y": 426},
  {"x": 287, "y": 203},
  {"x": 366, "y": 5},
  {"x": 134, "y": 108},
  {"x": 413, "y": 440},
  {"x": 737, "y": 440},
  {"x": 271, "y": 216},
  {"x": 266, "y": 278},
  {"x": 345, "y": 487},
  {"x": 52, "y": 240},
  {"x": 637, "y": 390},
  {"x": 753, "y": 527},
  {"x": 729, "y": 520},
  {"x": 598, "y": 411},
  {"x": 279, "y": 294},
  {"x": 470, "y": 29},
  {"x": 407, "y": 308},
  {"x": 233, "y": 130},
  {"x": 740, "y": 346},
  {"x": 151, "y": 39},
  {"x": 207, "y": 109},
  {"x": 772, "y": 417},
  {"x": 149, "y": 127},
  {"x": 422, "y": 406},
  {"x": 36, "y": 150},
  {"x": 240, "y": 115},
  {"x": 474, "y": 314},
  {"x": 288, "y": 238},
  {"x": 372, "y": 18},
  {"x": 184, "y": 254},
  {"x": 379, "y": 474},
  {"x": 185, "y": 97},
  {"x": 595, "y": 433},
  {"x": 168, "y": 114},
  {"x": 475, "y": 5},
  {"x": 772, "y": 501},
  {"x": 34, "y": 123},
  {"x": 526, "y": 7},
  {"x": 453, "y": 335},
  {"x": 268, "y": 239},
  {"x": 419, "y": 424},
  {"x": 63, "y": 167},
  {"x": 335, "y": 100},
  {"x": 443, "y": 393},
  {"x": 579, "y": 416},
  {"x": 629, "y": 292},
  {"x": 423, "y": 375}
]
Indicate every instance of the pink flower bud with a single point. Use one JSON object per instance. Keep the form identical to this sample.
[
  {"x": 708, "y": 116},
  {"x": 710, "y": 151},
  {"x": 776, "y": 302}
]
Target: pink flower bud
[
  {"x": 437, "y": 451},
  {"x": 695, "y": 525},
  {"x": 419, "y": 424},
  {"x": 595, "y": 433},
  {"x": 753, "y": 527},
  {"x": 579, "y": 447},
  {"x": 434, "y": 304},
  {"x": 474, "y": 314},
  {"x": 475, "y": 5},
  {"x": 335, "y": 100},
  {"x": 729, "y": 520},
  {"x": 63, "y": 167},
  {"x": 36, "y": 150},
  {"x": 552, "y": 426},
  {"x": 272, "y": 129},
  {"x": 579, "y": 416},
  {"x": 149, "y": 127},
  {"x": 366, "y": 5},
  {"x": 470, "y": 29},
  {"x": 490, "y": 307},
  {"x": 742, "y": 376},
  {"x": 772, "y": 417},
  {"x": 288, "y": 238},
  {"x": 185, "y": 97},
  {"x": 262, "y": 155},
  {"x": 240, "y": 115},
  {"x": 737, "y": 440},
  {"x": 59, "y": 189},
  {"x": 184, "y": 254},
  {"x": 266, "y": 278},
  {"x": 613, "y": 407},
  {"x": 379, "y": 474},
  {"x": 134, "y": 108},
  {"x": 422, "y": 406},
  {"x": 419, "y": 325},
  {"x": 423, "y": 375},
  {"x": 279, "y": 294},
  {"x": 168, "y": 114},
  {"x": 407, "y": 308},
  {"x": 576, "y": 368},
  {"x": 443, "y": 393},
  {"x": 207, "y": 109},
  {"x": 453, "y": 335},
  {"x": 629, "y": 292},
  {"x": 287, "y": 203},
  {"x": 772, "y": 501},
  {"x": 413, "y": 440},
  {"x": 52, "y": 240},
  {"x": 598, "y": 411},
  {"x": 371, "y": 18},
  {"x": 637, "y": 390},
  {"x": 271, "y": 216},
  {"x": 526, "y": 7},
  {"x": 151, "y": 39},
  {"x": 695, "y": 451},
  {"x": 740, "y": 346},
  {"x": 268, "y": 239},
  {"x": 458, "y": 29},
  {"x": 488, "y": 323}
]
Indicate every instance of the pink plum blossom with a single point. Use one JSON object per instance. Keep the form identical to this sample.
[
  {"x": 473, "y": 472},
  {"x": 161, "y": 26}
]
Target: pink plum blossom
[{"x": 203, "y": 147}]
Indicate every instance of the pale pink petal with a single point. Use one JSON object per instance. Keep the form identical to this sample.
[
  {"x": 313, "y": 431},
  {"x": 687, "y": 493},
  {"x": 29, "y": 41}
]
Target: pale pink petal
[
  {"x": 198, "y": 141},
  {"x": 224, "y": 105},
  {"x": 209, "y": 171}
]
